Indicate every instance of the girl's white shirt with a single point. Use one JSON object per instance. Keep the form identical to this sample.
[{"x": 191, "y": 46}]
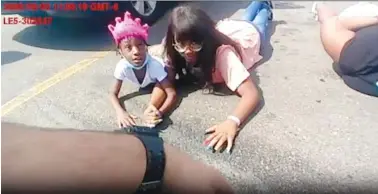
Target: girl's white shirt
[{"x": 155, "y": 71}]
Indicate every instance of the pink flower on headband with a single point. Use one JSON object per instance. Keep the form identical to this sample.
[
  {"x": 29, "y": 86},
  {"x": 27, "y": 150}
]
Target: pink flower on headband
[{"x": 128, "y": 28}]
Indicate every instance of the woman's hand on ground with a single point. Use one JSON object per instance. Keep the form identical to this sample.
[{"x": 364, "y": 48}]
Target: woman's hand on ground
[
  {"x": 152, "y": 115},
  {"x": 125, "y": 119},
  {"x": 222, "y": 133}
]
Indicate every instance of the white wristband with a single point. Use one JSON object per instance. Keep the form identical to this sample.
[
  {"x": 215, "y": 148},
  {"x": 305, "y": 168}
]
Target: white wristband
[{"x": 235, "y": 119}]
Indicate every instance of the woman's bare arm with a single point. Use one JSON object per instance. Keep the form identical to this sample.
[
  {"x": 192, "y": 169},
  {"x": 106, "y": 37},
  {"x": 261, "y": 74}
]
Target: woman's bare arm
[
  {"x": 249, "y": 99},
  {"x": 36, "y": 160},
  {"x": 114, "y": 96},
  {"x": 171, "y": 96}
]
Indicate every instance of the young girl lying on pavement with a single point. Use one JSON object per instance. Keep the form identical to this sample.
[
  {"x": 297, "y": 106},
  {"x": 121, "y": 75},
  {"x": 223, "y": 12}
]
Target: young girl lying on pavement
[
  {"x": 140, "y": 68},
  {"x": 352, "y": 42},
  {"x": 218, "y": 53}
]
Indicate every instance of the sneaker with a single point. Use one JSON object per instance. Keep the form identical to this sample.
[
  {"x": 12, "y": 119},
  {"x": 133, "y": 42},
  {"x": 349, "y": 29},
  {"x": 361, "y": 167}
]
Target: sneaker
[
  {"x": 270, "y": 4},
  {"x": 270, "y": 15},
  {"x": 314, "y": 11}
]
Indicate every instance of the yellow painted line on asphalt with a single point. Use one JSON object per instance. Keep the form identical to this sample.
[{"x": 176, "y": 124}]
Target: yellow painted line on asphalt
[{"x": 43, "y": 86}]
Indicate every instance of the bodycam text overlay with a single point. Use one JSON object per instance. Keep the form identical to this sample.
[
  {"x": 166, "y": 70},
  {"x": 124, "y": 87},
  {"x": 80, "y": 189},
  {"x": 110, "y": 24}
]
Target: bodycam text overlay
[
  {"x": 53, "y": 6},
  {"x": 14, "y": 20},
  {"x": 61, "y": 6}
]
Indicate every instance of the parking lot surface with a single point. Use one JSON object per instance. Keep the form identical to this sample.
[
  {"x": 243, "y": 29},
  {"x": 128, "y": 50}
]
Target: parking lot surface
[{"x": 311, "y": 132}]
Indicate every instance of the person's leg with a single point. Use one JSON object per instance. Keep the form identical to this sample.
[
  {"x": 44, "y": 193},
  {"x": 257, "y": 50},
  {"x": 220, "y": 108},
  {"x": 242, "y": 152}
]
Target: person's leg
[
  {"x": 261, "y": 21},
  {"x": 252, "y": 10},
  {"x": 334, "y": 37},
  {"x": 255, "y": 7},
  {"x": 335, "y": 32},
  {"x": 351, "y": 23},
  {"x": 356, "y": 23}
]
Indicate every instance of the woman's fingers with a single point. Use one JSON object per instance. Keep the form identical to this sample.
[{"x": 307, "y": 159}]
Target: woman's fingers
[
  {"x": 215, "y": 140},
  {"x": 156, "y": 121},
  {"x": 221, "y": 141},
  {"x": 124, "y": 123},
  {"x": 133, "y": 116},
  {"x": 210, "y": 137},
  {"x": 152, "y": 107},
  {"x": 230, "y": 142},
  {"x": 153, "y": 119},
  {"x": 211, "y": 129},
  {"x": 152, "y": 111},
  {"x": 152, "y": 114},
  {"x": 131, "y": 120}
]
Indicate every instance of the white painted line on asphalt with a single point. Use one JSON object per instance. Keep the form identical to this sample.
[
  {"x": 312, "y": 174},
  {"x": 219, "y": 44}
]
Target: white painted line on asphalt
[{"x": 43, "y": 86}]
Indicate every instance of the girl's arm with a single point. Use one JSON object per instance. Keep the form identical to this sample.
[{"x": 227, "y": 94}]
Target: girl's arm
[
  {"x": 164, "y": 94},
  {"x": 171, "y": 73},
  {"x": 170, "y": 96},
  {"x": 114, "y": 96},
  {"x": 123, "y": 117},
  {"x": 43, "y": 161},
  {"x": 239, "y": 80},
  {"x": 250, "y": 97}
]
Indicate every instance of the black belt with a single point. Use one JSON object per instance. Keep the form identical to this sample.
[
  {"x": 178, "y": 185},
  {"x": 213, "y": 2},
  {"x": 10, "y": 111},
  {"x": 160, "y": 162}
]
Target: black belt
[{"x": 155, "y": 155}]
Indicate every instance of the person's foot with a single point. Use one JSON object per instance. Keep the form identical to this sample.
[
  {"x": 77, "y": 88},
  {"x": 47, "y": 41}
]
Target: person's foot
[
  {"x": 270, "y": 18},
  {"x": 314, "y": 9},
  {"x": 270, "y": 5}
]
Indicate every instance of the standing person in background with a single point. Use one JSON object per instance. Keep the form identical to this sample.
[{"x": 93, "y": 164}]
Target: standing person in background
[
  {"x": 352, "y": 43},
  {"x": 206, "y": 53},
  {"x": 49, "y": 161}
]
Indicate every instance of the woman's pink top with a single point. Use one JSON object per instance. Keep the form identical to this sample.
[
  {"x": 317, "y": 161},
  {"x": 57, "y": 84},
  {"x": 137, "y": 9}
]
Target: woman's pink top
[{"x": 230, "y": 68}]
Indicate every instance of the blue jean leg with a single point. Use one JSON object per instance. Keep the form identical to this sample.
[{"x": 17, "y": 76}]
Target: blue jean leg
[
  {"x": 261, "y": 22},
  {"x": 252, "y": 10}
]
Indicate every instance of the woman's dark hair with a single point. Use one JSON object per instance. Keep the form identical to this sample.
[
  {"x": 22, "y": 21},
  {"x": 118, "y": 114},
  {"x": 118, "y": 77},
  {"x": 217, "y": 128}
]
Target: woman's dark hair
[{"x": 187, "y": 23}]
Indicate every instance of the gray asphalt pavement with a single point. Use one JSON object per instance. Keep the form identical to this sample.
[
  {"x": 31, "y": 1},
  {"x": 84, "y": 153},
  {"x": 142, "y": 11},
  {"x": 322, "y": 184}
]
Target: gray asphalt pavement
[{"x": 312, "y": 133}]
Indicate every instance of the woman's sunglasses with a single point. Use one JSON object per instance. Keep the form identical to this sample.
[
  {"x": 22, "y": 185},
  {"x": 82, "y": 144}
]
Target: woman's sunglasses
[{"x": 181, "y": 48}]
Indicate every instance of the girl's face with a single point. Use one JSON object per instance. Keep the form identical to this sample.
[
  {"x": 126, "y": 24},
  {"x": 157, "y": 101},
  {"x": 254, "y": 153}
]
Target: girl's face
[
  {"x": 189, "y": 50},
  {"x": 134, "y": 50}
]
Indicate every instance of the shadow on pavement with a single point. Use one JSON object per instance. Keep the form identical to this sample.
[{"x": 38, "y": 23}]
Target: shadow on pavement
[
  {"x": 287, "y": 5},
  {"x": 267, "y": 52},
  {"x": 12, "y": 56},
  {"x": 220, "y": 90},
  {"x": 67, "y": 34},
  {"x": 267, "y": 48}
]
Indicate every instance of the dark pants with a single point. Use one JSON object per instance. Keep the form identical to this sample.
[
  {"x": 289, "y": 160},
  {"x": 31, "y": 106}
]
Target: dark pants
[{"x": 358, "y": 64}]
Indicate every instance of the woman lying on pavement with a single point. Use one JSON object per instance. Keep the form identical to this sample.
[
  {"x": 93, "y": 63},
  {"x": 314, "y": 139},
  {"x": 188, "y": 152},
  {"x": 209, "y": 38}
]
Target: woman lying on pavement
[
  {"x": 41, "y": 160},
  {"x": 352, "y": 43},
  {"x": 206, "y": 53}
]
